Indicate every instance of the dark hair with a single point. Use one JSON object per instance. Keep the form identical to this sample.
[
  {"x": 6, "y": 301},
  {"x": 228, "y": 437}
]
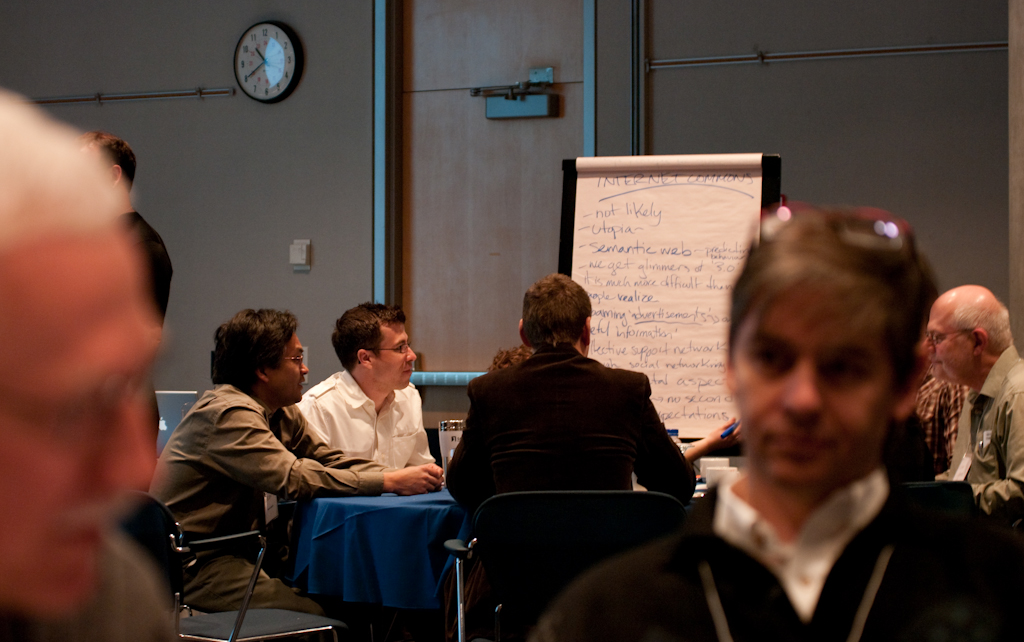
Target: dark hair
[
  {"x": 117, "y": 151},
  {"x": 359, "y": 329},
  {"x": 507, "y": 358},
  {"x": 251, "y": 340},
  {"x": 866, "y": 261},
  {"x": 555, "y": 311}
]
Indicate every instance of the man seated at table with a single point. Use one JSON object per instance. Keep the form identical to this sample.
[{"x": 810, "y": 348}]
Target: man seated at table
[
  {"x": 243, "y": 445},
  {"x": 559, "y": 421},
  {"x": 825, "y": 354},
  {"x": 971, "y": 344},
  {"x": 370, "y": 409}
]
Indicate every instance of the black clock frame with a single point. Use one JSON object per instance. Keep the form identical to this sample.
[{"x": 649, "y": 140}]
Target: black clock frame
[{"x": 297, "y": 52}]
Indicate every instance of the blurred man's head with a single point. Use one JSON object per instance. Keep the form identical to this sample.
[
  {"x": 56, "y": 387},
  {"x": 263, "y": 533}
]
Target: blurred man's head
[
  {"x": 556, "y": 311},
  {"x": 76, "y": 344},
  {"x": 824, "y": 339},
  {"x": 968, "y": 329},
  {"x": 115, "y": 153}
]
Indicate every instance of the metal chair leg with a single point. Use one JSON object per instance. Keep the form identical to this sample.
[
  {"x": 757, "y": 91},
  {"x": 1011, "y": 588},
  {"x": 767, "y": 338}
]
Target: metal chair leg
[
  {"x": 177, "y": 615},
  {"x": 462, "y": 552},
  {"x": 248, "y": 592},
  {"x": 460, "y": 598}
]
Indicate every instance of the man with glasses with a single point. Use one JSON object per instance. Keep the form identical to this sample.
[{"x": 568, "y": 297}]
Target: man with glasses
[
  {"x": 970, "y": 343},
  {"x": 245, "y": 444},
  {"x": 370, "y": 409}
]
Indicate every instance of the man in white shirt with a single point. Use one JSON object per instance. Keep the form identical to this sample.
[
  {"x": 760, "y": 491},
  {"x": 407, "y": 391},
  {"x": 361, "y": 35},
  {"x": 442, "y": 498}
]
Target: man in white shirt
[
  {"x": 369, "y": 409},
  {"x": 811, "y": 543}
]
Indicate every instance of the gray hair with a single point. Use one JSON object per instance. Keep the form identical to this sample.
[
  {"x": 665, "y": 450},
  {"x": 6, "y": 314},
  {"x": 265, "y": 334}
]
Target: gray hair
[
  {"x": 47, "y": 186},
  {"x": 995, "y": 322}
]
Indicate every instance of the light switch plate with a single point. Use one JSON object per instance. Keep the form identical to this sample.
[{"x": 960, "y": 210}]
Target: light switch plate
[{"x": 299, "y": 255}]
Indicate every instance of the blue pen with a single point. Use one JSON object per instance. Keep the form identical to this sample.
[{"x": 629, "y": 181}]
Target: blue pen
[{"x": 728, "y": 431}]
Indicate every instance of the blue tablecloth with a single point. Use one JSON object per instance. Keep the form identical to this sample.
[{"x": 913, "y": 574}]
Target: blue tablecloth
[{"x": 385, "y": 550}]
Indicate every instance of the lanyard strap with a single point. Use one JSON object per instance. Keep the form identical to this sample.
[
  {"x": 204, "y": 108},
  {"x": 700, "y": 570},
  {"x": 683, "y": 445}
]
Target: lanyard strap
[{"x": 859, "y": 619}]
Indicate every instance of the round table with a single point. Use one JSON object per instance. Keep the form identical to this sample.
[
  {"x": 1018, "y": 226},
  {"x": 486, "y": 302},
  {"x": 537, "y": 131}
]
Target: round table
[{"x": 385, "y": 550}]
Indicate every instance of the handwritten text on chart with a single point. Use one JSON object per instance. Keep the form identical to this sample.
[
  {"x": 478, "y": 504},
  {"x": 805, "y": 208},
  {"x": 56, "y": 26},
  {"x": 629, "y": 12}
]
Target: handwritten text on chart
[{"x": 659, "y": 265}]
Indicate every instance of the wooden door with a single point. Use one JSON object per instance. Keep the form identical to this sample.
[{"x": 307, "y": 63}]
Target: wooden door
[{"x": 481, "y": 198}]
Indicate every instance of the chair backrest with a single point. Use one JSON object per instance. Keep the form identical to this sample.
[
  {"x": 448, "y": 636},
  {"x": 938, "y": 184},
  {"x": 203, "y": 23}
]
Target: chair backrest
[
  {"x": 534, "y": 543},
  {"x": 152, "y": 525},
  {"x": 950, "y": 497}
]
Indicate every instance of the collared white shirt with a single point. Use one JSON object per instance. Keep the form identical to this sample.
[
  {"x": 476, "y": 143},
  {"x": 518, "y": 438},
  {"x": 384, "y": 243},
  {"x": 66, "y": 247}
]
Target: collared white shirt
[
  {"x": 341, "y": 413},
  {"x": 803, "y": 565}
]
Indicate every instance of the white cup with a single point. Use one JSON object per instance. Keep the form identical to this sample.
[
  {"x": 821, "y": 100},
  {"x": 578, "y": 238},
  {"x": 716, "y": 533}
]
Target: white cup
[
  {"x": 712, "y": 462},
  {"x": 449, "y": 434},
  {"x": 715, "y": 475}
]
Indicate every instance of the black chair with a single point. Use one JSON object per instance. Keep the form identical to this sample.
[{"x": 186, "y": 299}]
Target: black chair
[
  {"x": 532, "y": 544},
  {"x": 154, "y": 527},
  {"x": 434, "y": 443},
  {"x": 949, "y": 497},
  {"x": 149, "y": 526}
]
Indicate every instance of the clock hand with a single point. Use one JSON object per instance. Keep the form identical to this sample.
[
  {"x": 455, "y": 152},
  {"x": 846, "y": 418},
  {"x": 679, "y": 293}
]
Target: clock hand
[
  {"x": 254, "y": 70},
  {"x": 259, "y": 54}
]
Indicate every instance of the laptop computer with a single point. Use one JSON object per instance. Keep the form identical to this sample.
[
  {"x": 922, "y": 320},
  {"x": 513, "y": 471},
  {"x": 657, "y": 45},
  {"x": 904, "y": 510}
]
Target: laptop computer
[{"x": 173, "y": 405}]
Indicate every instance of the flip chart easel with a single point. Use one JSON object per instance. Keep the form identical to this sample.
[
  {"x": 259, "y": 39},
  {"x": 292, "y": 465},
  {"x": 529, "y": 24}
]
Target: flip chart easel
[{"x": 657, "y": 242}]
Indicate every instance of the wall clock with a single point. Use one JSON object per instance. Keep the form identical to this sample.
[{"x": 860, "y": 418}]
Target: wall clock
[{"x": 268, "y": 62}]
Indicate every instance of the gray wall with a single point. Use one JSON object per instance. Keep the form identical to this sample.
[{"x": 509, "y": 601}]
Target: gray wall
[
  {"x": 924, "y": 137},
  {"x": 228, "y": 182},
  {"x": 613, "y": 78}
]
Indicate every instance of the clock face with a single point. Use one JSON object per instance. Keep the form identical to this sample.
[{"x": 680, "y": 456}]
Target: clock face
[{"x": 268, "y": 62}]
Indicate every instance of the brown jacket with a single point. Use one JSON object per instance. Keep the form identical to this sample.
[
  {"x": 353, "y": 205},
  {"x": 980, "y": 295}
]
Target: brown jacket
[{"x": 228, "y": 451}]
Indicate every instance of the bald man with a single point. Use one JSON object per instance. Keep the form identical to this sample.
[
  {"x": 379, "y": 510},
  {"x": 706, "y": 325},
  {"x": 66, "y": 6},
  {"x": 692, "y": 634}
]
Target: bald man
[{"x": 970, "y": 343}]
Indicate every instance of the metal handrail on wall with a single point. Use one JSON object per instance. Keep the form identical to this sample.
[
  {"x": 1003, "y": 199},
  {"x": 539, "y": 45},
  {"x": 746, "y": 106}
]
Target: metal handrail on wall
[
  {"x": 98, "y": 98},
  {"x": 764, "y": 57}
]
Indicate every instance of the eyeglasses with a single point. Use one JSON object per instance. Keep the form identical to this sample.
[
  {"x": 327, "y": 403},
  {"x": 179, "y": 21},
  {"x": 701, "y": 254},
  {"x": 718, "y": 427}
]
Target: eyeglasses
[
  {"x": 935, "y": 338},
  {"x": 300, "y": 359},
  {"x": 405, "y": 348},
  {"x": 866, "y": 228}
]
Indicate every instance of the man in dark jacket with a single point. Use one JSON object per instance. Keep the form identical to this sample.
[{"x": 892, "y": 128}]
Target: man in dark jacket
[
  {"x": 121, "y": 160},
  {"x": 559, "y": 421},
  {"x": 810, "y": 544}
]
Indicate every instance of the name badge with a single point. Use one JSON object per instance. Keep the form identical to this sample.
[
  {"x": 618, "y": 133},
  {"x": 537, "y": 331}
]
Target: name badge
[
  {"x": 986, "y": 438},
  {"x": 269, "y": 508},
  {"x": 961, "y": 471}
]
